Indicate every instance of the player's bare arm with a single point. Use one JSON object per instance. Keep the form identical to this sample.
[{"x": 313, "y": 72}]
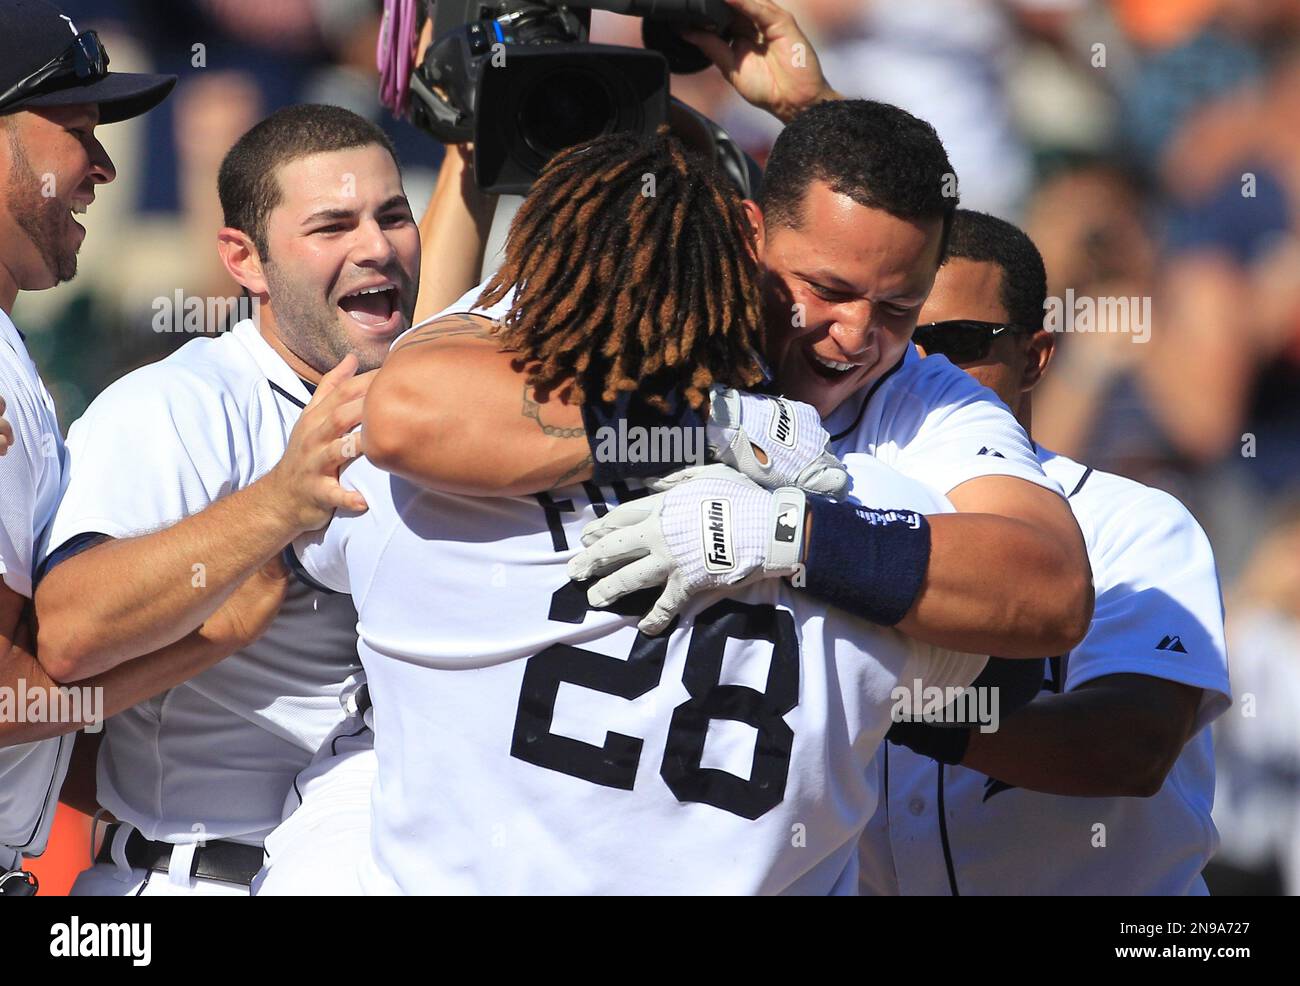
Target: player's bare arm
[
  {"x": 454, "y": 229},
  {"x": 1114, "y": 736},
  {"x": 1008, "y": 573},
  {"x": 146, "y": 596},
  {"x": 451, "y": 410},
  {"x": 240, "y": 620}
]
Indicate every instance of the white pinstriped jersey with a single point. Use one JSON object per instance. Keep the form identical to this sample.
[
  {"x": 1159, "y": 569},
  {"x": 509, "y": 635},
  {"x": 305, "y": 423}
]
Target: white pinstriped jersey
[
  {"x": 528, "y": 744},
  {"x": 1158, "y": 613},
  {"x": 928, "y": 420},
  {"x": 214, "y": 757}
]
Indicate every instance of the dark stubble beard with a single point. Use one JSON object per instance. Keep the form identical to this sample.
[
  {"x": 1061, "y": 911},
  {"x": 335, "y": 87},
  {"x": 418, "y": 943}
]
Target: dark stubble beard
[
  {"x": 44, "y": 220},
  {"x": 309, "y": 324}
]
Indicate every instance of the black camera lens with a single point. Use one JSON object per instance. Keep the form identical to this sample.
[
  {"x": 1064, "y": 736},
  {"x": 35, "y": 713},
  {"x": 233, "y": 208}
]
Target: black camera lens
[{"x": 566, "y": 107}]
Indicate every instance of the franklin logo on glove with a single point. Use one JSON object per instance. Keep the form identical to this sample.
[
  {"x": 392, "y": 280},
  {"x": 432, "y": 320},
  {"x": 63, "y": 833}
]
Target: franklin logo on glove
[
  {"x": 782, "y": 429},
  {"x": 718, "y": 556}
]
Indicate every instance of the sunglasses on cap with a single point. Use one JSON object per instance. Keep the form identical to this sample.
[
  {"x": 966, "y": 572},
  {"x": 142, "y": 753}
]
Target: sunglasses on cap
[
  {"x": 962, "y": 340},
  {"x": 84, "y": 60}
]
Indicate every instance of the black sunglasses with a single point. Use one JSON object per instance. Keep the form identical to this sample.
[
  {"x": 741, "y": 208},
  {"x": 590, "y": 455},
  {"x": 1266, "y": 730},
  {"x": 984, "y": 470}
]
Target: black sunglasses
[
  {"x": 85, "y": 60},
  {"x": 962, "y": 340}
]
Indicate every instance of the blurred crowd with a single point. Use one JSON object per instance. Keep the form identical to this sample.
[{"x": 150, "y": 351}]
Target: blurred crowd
[{"x": 1151, "y": 148}]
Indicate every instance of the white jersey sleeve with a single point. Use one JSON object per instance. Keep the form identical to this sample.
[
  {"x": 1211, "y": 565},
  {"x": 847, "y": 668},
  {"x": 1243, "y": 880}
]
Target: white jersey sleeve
[
  {"x": 1159, "y": 611},
  {"x": 321, "y": 556},
  {"x": 935, "y": 423},
  {"x": 30, "y": 471},
  {"x": 19, "y": 480},
  {"x": 144, "y": 456}
]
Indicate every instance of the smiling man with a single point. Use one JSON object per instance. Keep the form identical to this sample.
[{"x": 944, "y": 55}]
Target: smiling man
[
  {"x": 1103, "y": 784},
  {"x": 55, "y": 89},
  {"x": 189, "y": 474}
]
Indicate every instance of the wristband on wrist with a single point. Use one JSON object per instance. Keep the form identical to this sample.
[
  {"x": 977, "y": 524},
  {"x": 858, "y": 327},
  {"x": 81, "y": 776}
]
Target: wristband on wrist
[{"x": 866, "y": 561}]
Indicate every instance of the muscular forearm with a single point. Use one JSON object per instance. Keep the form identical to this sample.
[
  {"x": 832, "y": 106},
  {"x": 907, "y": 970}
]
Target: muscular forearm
[
  {"x": 450, "y": 412},
  {"x": 101, "y": 695},
  {"x": 453, "y": 235},
  {"x": 130, "y": 596},
  {"x": 996, "y": 585},
  {"x": 1112, "y": 740}
]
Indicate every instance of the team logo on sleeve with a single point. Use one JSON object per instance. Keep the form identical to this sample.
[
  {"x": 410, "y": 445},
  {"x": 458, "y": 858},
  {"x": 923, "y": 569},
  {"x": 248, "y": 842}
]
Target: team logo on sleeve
[
  {"x": 781, "y": 429},
  {"x": 716, "y": 517}
]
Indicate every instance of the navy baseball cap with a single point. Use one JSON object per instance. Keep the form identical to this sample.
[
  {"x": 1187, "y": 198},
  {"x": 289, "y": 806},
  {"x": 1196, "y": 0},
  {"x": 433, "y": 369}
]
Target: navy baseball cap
[{"x": 48, "y": 61}]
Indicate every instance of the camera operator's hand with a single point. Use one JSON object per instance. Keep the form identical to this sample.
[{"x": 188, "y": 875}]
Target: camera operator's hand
[{"x": 770, "y": 62}]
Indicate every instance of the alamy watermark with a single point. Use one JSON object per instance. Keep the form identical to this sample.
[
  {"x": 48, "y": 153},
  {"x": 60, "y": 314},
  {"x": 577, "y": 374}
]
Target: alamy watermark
[
  {"x": 75, "y": 939},
  {"x": 1085, "y": 313},
  {"x": 953, "y": 705},
  {"x": 64, "y": 704},
  {"x": 665, "y": 444},
  {"x": 200, "y": 314}
]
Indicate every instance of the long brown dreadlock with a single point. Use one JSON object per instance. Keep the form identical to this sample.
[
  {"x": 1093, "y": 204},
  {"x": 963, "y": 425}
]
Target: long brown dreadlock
[{"x": 626, "y": 282}]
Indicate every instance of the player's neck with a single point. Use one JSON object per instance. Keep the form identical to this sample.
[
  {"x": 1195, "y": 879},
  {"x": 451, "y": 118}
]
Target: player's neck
[
  {"x": 1026, "y": 415},
  {"x": 270, "y": 330}
]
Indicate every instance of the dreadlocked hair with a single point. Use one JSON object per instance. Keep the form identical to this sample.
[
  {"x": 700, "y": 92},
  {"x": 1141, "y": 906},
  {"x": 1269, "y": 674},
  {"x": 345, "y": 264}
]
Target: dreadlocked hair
[{"x": 631, "y": 272}]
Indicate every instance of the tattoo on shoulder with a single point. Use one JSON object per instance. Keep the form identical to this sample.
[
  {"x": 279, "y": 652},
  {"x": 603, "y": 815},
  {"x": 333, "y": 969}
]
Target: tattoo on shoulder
[
  {"x": 458, "y": 326},
  {"x": 532, "y": 409}
]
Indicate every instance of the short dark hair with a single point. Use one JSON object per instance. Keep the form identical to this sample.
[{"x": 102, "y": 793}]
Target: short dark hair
[
  {"x": 248, "y": 183},
  {"x": 986, "y": 239},
  {"x": 879, "y": 155}
]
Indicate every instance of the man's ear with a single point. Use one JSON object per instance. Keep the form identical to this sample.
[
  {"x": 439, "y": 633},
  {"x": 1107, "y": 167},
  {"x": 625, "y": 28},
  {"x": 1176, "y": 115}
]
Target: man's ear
[
  {"x": 1038, "y": 353},
  {"x": 758, "y": 242},
  {"x": 242, "y": 260}
]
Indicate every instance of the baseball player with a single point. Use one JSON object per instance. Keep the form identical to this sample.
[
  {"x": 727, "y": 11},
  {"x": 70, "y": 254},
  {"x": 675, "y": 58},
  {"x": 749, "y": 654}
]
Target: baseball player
[
  {"x": 1104, "y": 783},
  {"x": 844, "y": 283},
  {"x": 928, "y": 422},
  {"x": 54, "y": 92},
  {"x": 560, "y": 749},
  {"x": 189, "y": 473}
]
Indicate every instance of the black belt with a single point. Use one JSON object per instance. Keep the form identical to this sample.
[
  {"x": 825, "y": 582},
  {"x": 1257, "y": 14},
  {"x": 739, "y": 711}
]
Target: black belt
[{"x": 229, "y": 862}]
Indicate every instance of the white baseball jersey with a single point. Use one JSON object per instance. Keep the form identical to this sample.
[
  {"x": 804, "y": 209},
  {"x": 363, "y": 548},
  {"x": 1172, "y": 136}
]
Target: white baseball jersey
[
  {"x": 933, "y": 422},
  {"x": 527, "y": 744},
  {"x": 928, "y": 418},
  {"x": 212, "y": 758},
  {"x": 1158, "y": 613},
  {"x": 30, "y": 475}
]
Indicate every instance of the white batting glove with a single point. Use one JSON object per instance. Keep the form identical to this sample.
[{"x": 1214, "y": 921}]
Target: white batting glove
[
  {"x": 711, "y": 529},
  {"x": 789, "y": 433}
]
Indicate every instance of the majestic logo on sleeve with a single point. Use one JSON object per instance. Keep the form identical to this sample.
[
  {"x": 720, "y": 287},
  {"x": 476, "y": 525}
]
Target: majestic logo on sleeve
[
  {"x": 782, "y": 427},
  {"x": 1172, "y": 643},
  {"x": 716, "y": 526}
]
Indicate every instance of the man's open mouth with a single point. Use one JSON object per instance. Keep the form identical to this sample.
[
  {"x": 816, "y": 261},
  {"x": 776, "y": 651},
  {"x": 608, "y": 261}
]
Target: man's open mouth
[
  {"x": 372, "y": 307},
  {"x": 831, "y": 364}
]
